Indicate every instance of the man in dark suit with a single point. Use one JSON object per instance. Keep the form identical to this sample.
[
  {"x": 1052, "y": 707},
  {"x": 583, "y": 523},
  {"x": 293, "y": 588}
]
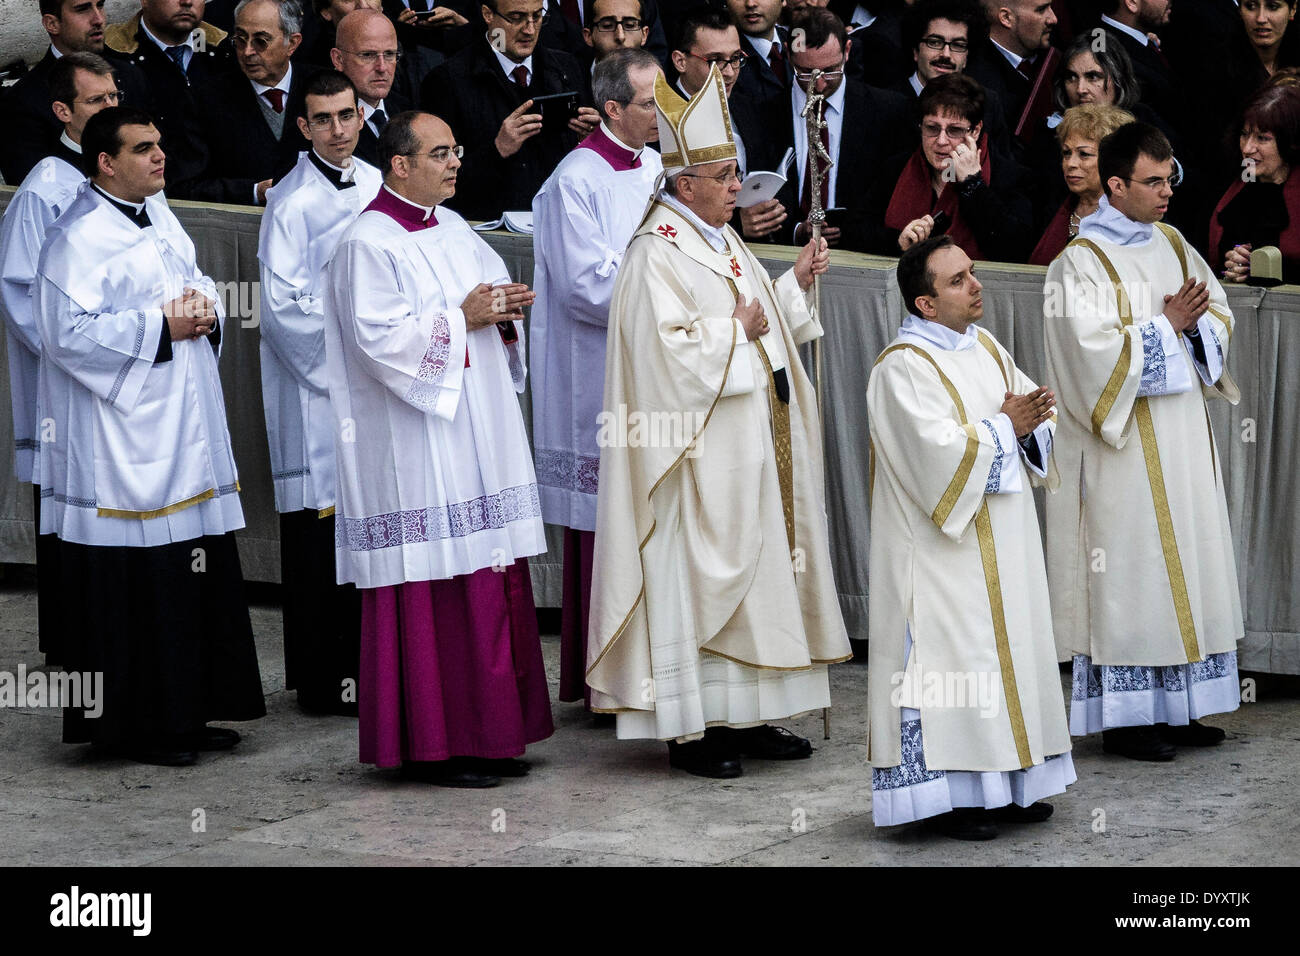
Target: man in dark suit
[
  {"x": 767, "y": 71},
  {"x": 1008, "y": 60},
  {"x": 368, "y": 54},
  {"x": 257, "y": 140},
  {"x": 31, "y": 129},
  {"x": 485, "y": 94},
  {"x": 1128, "y": 22},
  {"x": 176, "y": 52},
  {"x": 863, "y": 123}
]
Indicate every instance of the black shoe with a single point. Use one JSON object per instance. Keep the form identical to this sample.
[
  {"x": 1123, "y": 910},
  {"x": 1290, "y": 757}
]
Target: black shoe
[
  {"x": 456, "y": 772},
  {"x": 163, "y": 756},
  {"x": 1137, "y": 743},
  {"x": 213, "y": 738},
  {"x": 504, "y": 766},
  {"x": 1194, "y": 734},
  {"x": 1014, "y": 813},
  {"x": 703, "y": 759},
  {"x": 965, "y": 823},
  {"x": 767, "y": 743}
]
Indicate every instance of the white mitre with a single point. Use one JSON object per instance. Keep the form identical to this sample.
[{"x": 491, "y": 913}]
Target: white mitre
[{"x": 694, "y": 132}]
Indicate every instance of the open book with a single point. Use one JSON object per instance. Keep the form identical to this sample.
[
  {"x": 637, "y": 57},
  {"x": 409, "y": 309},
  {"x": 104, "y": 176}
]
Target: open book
[
  {"x": 759, "y": 187},
  {"x": 516, "y": 222}
]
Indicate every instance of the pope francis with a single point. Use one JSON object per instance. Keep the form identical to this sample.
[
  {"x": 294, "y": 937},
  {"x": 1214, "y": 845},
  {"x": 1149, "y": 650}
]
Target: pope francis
[{"x": 713, "y": 606}]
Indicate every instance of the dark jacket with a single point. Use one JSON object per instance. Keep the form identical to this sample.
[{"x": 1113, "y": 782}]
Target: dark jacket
[
  {"x": 31, "y": 129},
  {"x": 757, "y": 82},
  {"x": 473, "y": 95},
  {"x": 242, "y": 149},
  {"x": 368, "y": 143},
  {"x": 1009, "y": 87},
  {"x": 174, "y": 108}
]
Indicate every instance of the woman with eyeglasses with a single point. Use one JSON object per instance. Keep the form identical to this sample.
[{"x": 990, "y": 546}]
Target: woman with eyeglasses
[
  {"x": 1262, "y": 208},
  {"x": 1079, "y": 134}
]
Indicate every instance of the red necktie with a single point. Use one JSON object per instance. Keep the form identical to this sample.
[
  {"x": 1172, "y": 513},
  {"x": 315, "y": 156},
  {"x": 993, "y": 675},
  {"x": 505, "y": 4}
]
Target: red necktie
[
  {"x": 520, "y": 76},
  {"x": 805, "y": 199},
  {"x": 276, "y": 99},
  {"x": 776, "y": 60},
  {"x": 1026, "y": 69}
]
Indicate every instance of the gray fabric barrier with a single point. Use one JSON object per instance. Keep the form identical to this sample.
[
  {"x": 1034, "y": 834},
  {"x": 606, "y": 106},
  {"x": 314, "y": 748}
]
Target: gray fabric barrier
[{"x": 860, "y": 303}]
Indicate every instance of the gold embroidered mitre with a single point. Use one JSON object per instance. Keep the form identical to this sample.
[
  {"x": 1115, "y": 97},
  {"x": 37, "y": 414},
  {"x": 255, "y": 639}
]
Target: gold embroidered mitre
[{"x": 694, "y": 132}]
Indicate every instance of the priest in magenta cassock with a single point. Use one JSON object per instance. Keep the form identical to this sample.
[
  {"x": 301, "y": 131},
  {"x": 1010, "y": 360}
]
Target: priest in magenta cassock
[
  {"x": 1144, "y": 582},
  {"x": 307, "y": 213},
  {"x": 966, "y": 719},
  {"x": 437, "y": 508},
  {"x": 713, "y": 604},
  {"x": 138, "y": 480},
  {"x": 584, "y": 216},
  {"x": 81, "y": 84}
]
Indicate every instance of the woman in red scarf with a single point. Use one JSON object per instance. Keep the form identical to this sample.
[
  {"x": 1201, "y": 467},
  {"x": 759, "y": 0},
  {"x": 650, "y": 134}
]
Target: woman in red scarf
[
  {"x": 953, "y": 172},
  {"x": 1080, "y": 133}
]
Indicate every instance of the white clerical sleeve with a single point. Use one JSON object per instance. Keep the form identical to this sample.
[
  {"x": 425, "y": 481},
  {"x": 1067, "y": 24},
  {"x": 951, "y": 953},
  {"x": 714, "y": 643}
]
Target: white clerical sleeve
[
  {"x": 581, "y": 259},
  {"x": 292, "y": 324},
  {"x": 797, "y": 306},
  {"x": 420, "y": 358},
  {"x": 1164, "y": 370},
  {"x": 1096, "y": 359},
  {"x": 1036, "y": 451},
  {"x": 1208, "y": 359},
  {"x": 943, "y": 465},
  {"x": 109, "y": 353},
  {"x": 25, "y": 222},
  {"x": 1004, "y": 473},
  {"x": 1213, "y": 329}
]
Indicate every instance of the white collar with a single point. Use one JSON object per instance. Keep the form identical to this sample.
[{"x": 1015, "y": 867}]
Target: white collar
[
  {"x": 713, "y": 235},
  {"x": 1012, "y": 58},
  {"x": 940, "y": 335},
  {"x": 915, "y": 80},
  {"x": 1135, "y": 33},
  {"x": 348, "y": 172},
  {"x": 67, "y": 141},
  {"x": 763, "y": 45},
  {"x": 834, "y": 102},
  {"x": 636, "y": 153},
  {"x": 137, "y": 206},
  {"x": 1110, "y": 224},
  {"x": 861, "y": 19},
  {"x": 188, "y": 41},
  {"x": 368, "y": 111},
  {"x": 283, "y": 85},
  {"x": 427, "y": 210},
  {"x": 54, "y": 52},
  {"x": 508, "y": 65}
]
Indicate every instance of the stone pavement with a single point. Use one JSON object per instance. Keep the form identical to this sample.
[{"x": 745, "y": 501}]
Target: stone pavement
[{"x": 293, "y": 794}]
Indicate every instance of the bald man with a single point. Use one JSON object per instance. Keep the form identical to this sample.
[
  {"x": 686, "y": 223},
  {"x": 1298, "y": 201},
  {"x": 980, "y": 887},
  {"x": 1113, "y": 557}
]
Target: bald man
[{"x": 365, "y": 50}]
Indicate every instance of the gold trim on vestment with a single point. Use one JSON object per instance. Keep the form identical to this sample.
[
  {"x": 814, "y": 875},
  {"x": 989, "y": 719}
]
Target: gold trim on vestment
[
  {"x": 768, "y": 667},
  {"x": 1155, "y": 474},
  {"x": 992, "y": 349},
  {"x": 159, "y": 512},
  {"x": 1109, "y": 394},
  {"x": 326, "y": 512},
  {"x": 992, "y": 581},
  {"x": 1176, "y": 241},
  {"x": 780, "y": 439}
]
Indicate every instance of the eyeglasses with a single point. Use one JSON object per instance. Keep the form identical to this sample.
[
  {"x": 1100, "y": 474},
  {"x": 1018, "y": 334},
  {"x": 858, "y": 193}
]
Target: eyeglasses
[
  {"x": 519, "y": 18},
  {"x": 805, "y": 76},
  {"x": 343, "y": 118},
  {"x": 937, "y": 43},
  {"x": 932, "y": 131},
  {"x": 370, "y": 57},
  {"x": 113, "y": 99},
  {"x": 442, "y": 154},
  {"x": 722, "y": 179},
  {"x": 1156, "y": 182},
  {"x": 644, "y": 104},
  {"x": 610, "y": 24},
  {"x": 258, "y": 41},
  {"x": 722, "y": 62}
]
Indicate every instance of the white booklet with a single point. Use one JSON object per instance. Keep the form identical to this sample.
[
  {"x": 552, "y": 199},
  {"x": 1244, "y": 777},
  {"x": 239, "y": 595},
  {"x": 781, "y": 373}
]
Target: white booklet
[
  {"x": 759, "y": 187},
  {"x": 516, "y": 222}
]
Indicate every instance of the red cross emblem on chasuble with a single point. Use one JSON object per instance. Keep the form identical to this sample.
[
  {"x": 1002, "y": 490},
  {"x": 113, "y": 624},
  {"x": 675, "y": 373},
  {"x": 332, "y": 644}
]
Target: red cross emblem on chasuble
[
  {"x": 735, "y": 267},
  {"x": 667, "y": 231}
]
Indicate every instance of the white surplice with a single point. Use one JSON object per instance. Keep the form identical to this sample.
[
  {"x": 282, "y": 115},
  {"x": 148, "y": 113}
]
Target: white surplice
[
  {"x": 48, "y": 190},
  {"x": 434, "y": 470},
  {"x": 584, "y": 215},
  {"x": 139, "y": 454},
  {"x": 306, "y": 216},
  {"x": 965, "y": 703},
  {"x": 1139, "y": 549}
]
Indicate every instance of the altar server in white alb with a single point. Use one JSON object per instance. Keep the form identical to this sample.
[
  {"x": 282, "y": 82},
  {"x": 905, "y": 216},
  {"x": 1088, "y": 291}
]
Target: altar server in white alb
[
  {"x": 137, "y": 479},
  {"x": 966, "y": 720},
  {"x": 81, "y": 84},
  {"x": 438, "y": 506},
  {"x": 1144, "y": 583},
  {"x": 307, "y": 213},
  {"x": 713, "y": 606},
  {"x": 584, "y": 216}
]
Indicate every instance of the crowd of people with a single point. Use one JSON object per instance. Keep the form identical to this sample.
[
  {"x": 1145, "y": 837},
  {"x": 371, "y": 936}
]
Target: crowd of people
[{"x": 676, "y": 435}]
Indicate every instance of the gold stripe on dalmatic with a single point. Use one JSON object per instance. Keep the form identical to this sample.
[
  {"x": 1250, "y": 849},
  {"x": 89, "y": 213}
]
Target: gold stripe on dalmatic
[
  {"x": 1155, "y": 472},
  {"x": 781, "y": 442},
  {"x": 159, "y": 513}
]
